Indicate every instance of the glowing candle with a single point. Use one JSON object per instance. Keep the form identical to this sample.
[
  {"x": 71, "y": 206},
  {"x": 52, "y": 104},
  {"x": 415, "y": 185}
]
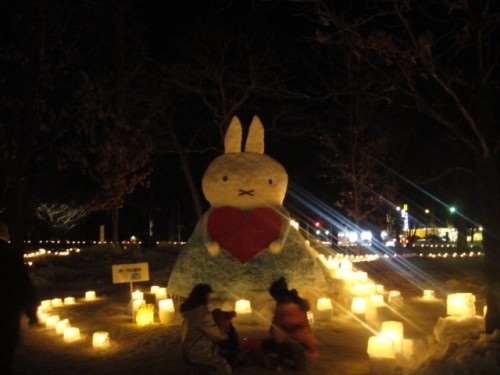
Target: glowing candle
[
  {"x": 136, "y": 303},
  {"x": 358, "y": 305},
  {"x": 69, "y": 301},
  {"x": 461, "y": 304},
  {"x": 379, "y": 289},
  {"x": 100, "y": 340},
  {"x": 56, "y": 302},
  {"x": 71, "y": 334},
  {"x": 61, "y": 326},
  {"x": 137, "y": 295},
  {"x": 51, "y": 321},
  {"x": 393, "y": 330},
  {"x": 154, "y": 289},
  {"x": 161, "y": 293},
  {"x": 243, "y": 307},
  {"x": 377, "y": 300},
  {"x": 166, "y": 310},
  {"x": 145, "y": 315},
  {"x": 90, "y": 295},
  {"x": 381, "y": 347}
]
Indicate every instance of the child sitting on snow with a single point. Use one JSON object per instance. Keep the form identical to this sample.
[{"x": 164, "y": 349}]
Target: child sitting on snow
[{"x": 290, "y": 330}]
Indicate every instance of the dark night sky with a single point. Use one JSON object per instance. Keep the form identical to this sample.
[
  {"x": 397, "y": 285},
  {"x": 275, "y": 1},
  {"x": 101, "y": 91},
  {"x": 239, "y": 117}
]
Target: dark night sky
[{"x": 169, "y": 25}]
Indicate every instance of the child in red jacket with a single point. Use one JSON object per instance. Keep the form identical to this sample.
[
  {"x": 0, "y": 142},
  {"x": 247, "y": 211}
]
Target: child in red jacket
[{"x": 290, "y": 330}]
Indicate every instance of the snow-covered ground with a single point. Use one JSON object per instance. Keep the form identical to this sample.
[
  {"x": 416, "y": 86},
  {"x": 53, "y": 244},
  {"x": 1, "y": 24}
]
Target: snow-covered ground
[{"x": 155, "y": 349}]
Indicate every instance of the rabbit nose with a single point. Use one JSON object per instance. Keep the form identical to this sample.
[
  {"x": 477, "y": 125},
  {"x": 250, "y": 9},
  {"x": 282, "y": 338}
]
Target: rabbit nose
[{"x": 246, "y": 192}]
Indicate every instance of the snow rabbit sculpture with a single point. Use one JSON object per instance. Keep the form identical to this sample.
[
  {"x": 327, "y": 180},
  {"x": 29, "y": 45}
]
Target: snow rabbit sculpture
[
  {"x": 246, "y": 192},
  {"x": 244, "y": 241}
]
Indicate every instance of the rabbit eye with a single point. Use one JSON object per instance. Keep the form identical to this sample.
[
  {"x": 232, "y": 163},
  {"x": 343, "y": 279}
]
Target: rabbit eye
[
  {"x": 270, "y": 181},
  {"x": 224, "y": 178}
]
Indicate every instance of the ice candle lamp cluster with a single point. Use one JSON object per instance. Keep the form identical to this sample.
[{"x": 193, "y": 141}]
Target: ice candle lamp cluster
[
  {"x": 63, "y": 327},
  {"x": 388, "y": 346}
]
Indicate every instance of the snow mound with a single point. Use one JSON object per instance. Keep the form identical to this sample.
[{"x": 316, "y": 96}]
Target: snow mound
[
  {"x": 473, "y": 356},
  {"x": 454, "y": 329}
]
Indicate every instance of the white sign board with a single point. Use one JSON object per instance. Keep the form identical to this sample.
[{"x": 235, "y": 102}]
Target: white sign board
[{"x": 129, "y": 273}]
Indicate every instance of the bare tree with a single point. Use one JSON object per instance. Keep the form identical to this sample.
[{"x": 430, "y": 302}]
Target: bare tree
[
  {"x": 61, "y": 217},
  {"x": 216, "y": 75}
]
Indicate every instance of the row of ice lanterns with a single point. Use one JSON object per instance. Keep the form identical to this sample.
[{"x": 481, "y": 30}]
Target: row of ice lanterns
[
  {"x": 390, "y": 341},
  {"x": 100, "y": 339},
  {"x": 144, "y": 313}
]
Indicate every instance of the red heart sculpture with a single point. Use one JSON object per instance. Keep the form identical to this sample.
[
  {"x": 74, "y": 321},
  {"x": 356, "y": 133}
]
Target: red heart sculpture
[{"x": 244, "y": 234}]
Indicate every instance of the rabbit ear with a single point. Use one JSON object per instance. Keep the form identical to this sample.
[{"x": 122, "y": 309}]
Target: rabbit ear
[
  {"x": 232, "y": 140},
  {"x": 255, "y": 138}
]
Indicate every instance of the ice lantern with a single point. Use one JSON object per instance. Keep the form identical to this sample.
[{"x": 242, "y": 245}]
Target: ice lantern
[
  {"x": 358, "y": 305},
  {"x": 166, "y": 310},
  {"x": 137, "y": 295},
  {"x": 393, "y": 330},
  {"x": 461, "y": 304},
  {"x": 56, "y": 302},
  {"x": 51, "y": 321},
  {"x": 71, "y": 334},
  {"x": 61, "y": 326},
  {"x": 145, "y": 315},
  {"x": 325, "y": 309},
  {"x": 380, "y": 347},
  {"x": 90, "y": 295},
  {"x": 428, "y": 295},
  {"x": 243, "y": 307},
  {"x": 100, "y": 340},
  {"x": 161, "y": 293}
]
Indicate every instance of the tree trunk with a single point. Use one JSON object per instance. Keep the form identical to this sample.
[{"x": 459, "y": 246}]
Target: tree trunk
[
  {"x": 114, "y": 225},
  {"x": 195, "y": 195},
  {"x": 489, "y": 200},
  {"x": 461, "y": 226},
  {"x": 18, "y": 227}
]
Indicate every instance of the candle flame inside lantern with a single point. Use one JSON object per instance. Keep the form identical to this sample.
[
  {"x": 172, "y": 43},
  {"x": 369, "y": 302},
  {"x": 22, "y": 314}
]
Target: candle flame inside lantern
[
  {"x": 145, "y": 315},
  {"x": 242, "y": 307},
  {"x": 100, "y": 339}
]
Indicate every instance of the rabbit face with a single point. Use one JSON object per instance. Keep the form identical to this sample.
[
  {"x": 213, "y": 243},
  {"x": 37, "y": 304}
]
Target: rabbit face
[{"x": 245, "y": 180}]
